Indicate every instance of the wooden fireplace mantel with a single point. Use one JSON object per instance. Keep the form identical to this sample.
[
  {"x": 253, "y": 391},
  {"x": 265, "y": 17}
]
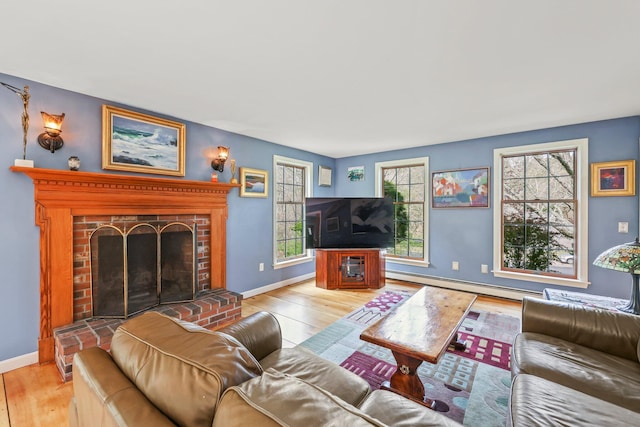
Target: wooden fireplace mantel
[{"x": 60, "y": 195}]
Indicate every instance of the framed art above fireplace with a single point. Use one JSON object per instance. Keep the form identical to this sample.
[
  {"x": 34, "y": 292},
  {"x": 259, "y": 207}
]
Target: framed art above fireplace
[{"x": 137, "y": 142}]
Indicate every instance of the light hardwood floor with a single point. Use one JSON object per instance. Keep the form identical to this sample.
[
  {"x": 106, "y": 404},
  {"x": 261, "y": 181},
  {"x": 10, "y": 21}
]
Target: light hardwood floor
[{"x": 35, "y": 395}]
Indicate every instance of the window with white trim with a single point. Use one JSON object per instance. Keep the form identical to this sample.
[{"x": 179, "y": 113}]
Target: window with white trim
[
  {"x": 540, "y": 212},
  {"x": 406, "y": 181},
  {"x": 292, "y": 183}
]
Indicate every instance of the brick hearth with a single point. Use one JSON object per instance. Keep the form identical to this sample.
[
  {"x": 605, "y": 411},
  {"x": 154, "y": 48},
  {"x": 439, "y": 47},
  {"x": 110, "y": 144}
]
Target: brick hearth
[{"x": 212, "y": 309}]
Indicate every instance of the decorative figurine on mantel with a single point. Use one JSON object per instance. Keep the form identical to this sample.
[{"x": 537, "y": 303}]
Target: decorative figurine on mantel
[
  {"x": 233, "y": 180},
  {"x": 24, "y": 96}
]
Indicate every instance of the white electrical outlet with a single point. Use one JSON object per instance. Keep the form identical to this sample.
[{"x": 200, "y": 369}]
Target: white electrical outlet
[
  {"x": 261, "y": 266},
  {"x": 623, "y": 227},
  {"x": 455, "y": 265},
  {"x": 484, "y": 268}
]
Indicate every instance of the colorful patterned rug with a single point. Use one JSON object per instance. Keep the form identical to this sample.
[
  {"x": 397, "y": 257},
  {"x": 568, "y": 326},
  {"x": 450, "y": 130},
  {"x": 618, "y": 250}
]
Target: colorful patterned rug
[{"x": 473, "y": 384}]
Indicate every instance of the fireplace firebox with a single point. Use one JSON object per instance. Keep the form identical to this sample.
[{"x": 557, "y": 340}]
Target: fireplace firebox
[{"x": 135, "y": 269}]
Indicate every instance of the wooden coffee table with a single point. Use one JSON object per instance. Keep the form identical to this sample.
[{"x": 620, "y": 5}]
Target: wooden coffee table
[{"x": 420, "y": 330}]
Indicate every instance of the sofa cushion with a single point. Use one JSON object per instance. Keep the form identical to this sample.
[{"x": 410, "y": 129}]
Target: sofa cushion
[
  {"x": 395, "y": 410},
  {"x": 320, "y": 372},
  {"x": 602, "y": 375},
  {"x": 277, "y": 399},
  {"x": 538, "y": 402},
  {"x": 182, "y": 368}
]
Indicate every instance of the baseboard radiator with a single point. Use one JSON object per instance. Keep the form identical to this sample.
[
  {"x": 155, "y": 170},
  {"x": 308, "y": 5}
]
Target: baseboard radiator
[{"x": 463, "y": 285}]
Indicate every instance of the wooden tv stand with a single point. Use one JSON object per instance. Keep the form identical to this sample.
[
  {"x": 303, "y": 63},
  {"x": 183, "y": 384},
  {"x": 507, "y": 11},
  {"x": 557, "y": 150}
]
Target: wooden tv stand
[{"x": 350, "y": 268}]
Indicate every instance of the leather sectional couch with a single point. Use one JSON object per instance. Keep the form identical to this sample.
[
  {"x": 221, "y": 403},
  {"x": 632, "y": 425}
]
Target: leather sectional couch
[
  {"x": 164, "y": 372},
  {"x": 575, "y": 366}
]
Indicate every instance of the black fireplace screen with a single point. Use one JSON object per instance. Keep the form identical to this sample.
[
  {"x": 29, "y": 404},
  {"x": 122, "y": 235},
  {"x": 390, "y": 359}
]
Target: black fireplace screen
[{"x": 139, "y": 268}]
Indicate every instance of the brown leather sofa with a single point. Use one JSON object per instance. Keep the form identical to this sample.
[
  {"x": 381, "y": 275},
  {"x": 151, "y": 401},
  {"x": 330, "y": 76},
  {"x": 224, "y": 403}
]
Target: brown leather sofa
[
  {"x": 575, "y": 365},
  {"x": 164, "y": 372}
]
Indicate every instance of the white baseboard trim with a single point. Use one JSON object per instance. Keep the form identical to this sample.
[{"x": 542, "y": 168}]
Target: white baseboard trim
[
  {"x": 277, "y": 285},
  {"x": 18, "y": 362},
  {"x": 475, "y": 287}
]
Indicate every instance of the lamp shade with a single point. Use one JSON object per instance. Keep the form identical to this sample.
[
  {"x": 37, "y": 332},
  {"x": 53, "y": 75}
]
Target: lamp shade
[
  {"x": 223, "y": 152},
  {"x": 625, "y": 257},
  {"x": 52, "y": 122}
]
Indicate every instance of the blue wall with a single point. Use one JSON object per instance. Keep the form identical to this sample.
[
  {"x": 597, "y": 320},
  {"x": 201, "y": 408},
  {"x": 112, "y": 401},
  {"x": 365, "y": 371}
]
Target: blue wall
[
  {"x": 462, "y": 235},
  {"x": 249, "y": 227},
  {"x": 466, "y": 235}
]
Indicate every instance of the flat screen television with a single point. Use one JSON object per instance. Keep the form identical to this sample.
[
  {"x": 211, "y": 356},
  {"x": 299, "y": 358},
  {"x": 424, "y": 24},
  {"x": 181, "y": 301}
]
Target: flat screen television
[{"x": 349, "y": 222}]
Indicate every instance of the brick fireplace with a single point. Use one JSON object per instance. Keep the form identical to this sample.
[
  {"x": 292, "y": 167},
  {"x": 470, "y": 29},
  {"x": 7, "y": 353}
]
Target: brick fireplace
[{"x": 64, "y": 198}]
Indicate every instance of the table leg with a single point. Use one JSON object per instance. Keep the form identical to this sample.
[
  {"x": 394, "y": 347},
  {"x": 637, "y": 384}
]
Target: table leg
[
  {"x": 406, "y": 382},
  {"x": 405, "y": 378}
]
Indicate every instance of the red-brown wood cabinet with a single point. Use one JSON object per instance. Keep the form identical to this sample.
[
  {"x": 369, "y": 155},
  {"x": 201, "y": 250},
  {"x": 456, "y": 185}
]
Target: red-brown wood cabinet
[{"x": 350, "y": 268}]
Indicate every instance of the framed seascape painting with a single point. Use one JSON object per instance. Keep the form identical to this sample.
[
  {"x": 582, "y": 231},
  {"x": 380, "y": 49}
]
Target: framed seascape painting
[
  {"x": 613, "y": 178},
  {"x": 137, "y": 142},
  {"x": 254, "y": 182},
  {"x": 461, "y": 188}
]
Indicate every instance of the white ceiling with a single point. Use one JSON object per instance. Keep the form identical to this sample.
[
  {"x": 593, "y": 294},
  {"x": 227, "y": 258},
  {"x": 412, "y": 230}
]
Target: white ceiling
[{"x": 339, "y": 77}]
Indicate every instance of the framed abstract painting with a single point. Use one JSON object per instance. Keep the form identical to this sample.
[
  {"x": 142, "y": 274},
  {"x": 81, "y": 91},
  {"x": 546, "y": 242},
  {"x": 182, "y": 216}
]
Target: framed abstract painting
[
  {"x": 613, "y": 178},
  {"x": 460, "y": 188}
]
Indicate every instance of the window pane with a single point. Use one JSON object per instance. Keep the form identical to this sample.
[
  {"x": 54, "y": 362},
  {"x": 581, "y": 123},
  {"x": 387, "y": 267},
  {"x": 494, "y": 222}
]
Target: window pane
[
  {"x": 404, "y": 191},
  {"x": 416, "y": 248},
  {"x": 537, "y": 189},
  {"x": 561, "y": 188},
  {"x": 513, "y": 189},
  {"x": 562, "y": 164},
  {"x": 403, "y": 175},
  {"x": 537, "y": 166},
  {"x": 417, "y": 175},
  {"x": 416, "y": 193},
  {"x": 513, "y": 167},
  {"x": 416, "y": 212}
]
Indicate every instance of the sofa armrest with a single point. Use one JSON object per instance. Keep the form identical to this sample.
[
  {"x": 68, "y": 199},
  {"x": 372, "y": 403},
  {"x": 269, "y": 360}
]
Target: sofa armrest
[
  {"x": 611, "y": 332},
  {"x": 104, "y": 396},
  {"x": 260, "y": 333}
]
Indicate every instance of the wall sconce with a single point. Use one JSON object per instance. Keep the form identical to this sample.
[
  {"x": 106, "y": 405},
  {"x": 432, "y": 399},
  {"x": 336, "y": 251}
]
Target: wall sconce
[
  {"x": 218, "y": 163},
  {"x": 50, "y": 139}
]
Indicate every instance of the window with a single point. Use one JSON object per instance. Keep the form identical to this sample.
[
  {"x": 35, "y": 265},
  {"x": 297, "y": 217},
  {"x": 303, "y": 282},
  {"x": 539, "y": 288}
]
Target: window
[
  {"x": 292, "y": 184},
  {"x": 540, "y": 212},
  {"x": 405, "y": 181}
]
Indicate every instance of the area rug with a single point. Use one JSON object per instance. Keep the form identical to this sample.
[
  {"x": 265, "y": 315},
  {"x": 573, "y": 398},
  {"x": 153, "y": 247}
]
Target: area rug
[{"x": 474, "y": 383}]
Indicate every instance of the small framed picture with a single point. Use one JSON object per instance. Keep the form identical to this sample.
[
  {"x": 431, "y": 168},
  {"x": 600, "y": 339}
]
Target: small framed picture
[
  {"x": 254, "y": 182},
  {"x": 613, "y": 178},
  {"x": 355, "y": 173},
  {"x": 137, "y": 142},
  {"x": 324, "y": 176}
]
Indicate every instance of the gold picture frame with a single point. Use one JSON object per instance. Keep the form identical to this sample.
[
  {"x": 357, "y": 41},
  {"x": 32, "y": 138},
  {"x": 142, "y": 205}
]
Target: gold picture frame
[
  {"x": 613, "y": 178},
  {"x": 136, "y": 142},
  {"x": 254, "y": 182}
]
